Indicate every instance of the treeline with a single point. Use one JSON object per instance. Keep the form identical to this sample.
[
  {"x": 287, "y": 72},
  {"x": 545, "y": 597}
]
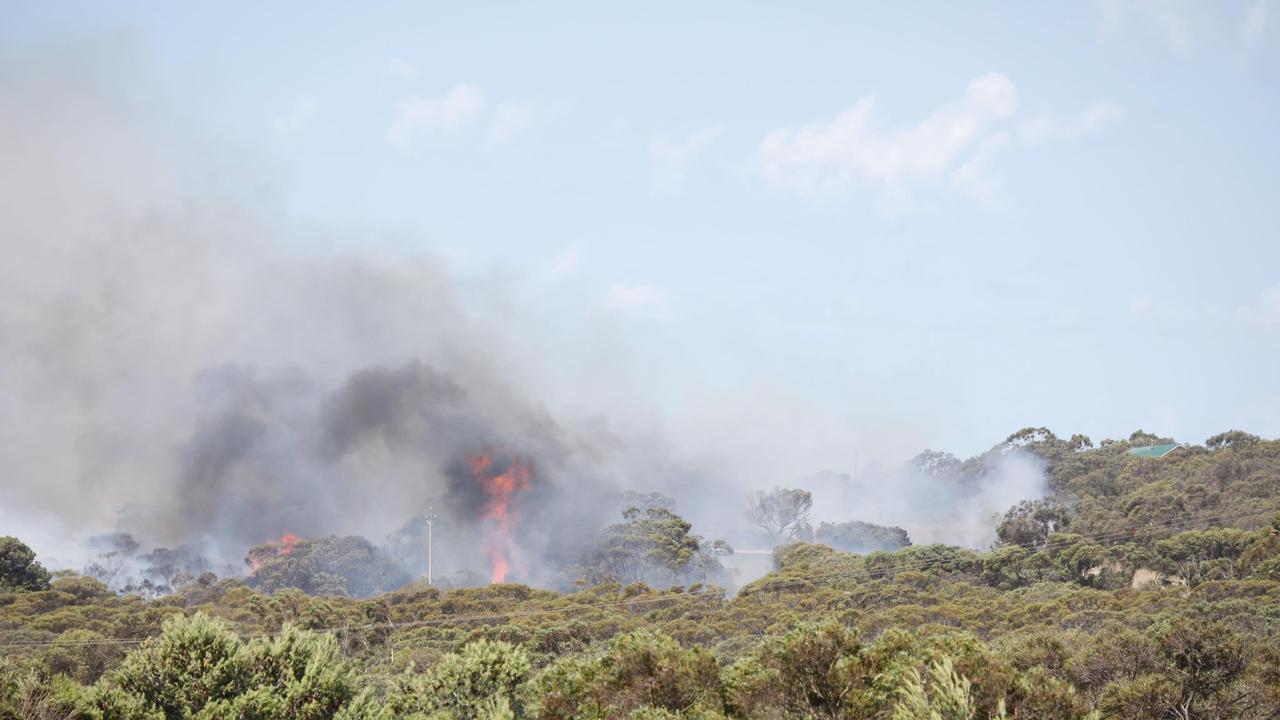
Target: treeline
[
  {"x": 866, "y": 631},
  {"x": 1094, "y": 605}
]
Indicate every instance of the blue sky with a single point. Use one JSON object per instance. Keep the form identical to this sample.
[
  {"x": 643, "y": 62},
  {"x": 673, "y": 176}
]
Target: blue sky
[{"x": 937, "y": 221}]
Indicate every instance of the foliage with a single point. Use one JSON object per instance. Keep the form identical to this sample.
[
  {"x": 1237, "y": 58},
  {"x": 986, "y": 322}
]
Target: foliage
[
  {"x": 1154, "y": 592},
  {"x": 641, "y": 672},
  {"x": 858, "y": 536},
  {"x": 199, "y": 668},
  {"x": 652, "y": 546},
  {"x": 1031, "y": 522},
  {"x": 488, "y": 679},
  {"x": 946, "y": 696},
  {"x": 18, "y": 567},
  {"x": 328, "y": 566}
]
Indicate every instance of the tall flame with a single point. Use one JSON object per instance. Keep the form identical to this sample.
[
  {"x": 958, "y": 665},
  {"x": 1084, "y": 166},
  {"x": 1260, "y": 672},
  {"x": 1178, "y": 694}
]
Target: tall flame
[{"x": 499, "y": 488}]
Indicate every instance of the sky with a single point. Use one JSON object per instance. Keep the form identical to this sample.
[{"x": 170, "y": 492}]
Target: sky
[{"x": 904, "y": 225}]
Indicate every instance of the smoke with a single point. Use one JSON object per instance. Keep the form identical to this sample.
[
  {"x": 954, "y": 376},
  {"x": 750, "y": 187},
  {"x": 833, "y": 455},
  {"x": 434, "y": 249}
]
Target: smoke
[
  {"x": 180, "y": 363},
  {"x": 935, "y": 498}
]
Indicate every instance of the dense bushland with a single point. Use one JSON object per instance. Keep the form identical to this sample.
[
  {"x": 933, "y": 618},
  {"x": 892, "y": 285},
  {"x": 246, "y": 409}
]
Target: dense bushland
[{"x": 1137, "y": 588}]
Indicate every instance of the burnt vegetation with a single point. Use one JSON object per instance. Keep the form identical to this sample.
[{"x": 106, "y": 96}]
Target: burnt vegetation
[{"x": 1137, "y": 588}]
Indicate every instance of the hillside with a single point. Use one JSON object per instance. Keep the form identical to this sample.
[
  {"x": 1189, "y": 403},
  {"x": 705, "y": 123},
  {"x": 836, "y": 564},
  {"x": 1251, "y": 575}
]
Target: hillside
[{"x": 1137, "y": 588}]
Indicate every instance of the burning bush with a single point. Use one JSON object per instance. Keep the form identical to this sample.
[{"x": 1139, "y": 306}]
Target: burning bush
[{"x": 327, "y": 566}]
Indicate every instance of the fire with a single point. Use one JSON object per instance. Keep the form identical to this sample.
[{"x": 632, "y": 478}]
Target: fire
[
  {"x": 271, "y": 549},
  {"x": 500, "y": 489},
  {"x": 286, "y": 543}
]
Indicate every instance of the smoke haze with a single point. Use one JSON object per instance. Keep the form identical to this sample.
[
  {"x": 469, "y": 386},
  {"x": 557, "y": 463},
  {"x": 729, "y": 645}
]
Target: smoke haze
[{"x": 181, "y": 363}]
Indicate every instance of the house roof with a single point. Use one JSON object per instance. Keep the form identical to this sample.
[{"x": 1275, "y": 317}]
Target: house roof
[{"x": 1154, "y": 450}]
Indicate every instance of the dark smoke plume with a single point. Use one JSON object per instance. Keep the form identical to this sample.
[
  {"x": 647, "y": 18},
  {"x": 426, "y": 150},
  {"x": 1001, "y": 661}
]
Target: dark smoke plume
[{"x": 181, "y": 364}]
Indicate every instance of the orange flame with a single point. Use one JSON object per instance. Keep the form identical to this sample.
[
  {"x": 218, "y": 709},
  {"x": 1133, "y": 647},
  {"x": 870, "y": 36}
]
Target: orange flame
[
  {"x": 271, "y": 549},
  {"x": 500, "y": 489},
  {"x": 286, "y": 543}
]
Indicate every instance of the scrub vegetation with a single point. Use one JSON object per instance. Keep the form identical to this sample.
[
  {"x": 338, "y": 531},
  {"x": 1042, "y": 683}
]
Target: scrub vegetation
[{"x": 1137, "y": 588}]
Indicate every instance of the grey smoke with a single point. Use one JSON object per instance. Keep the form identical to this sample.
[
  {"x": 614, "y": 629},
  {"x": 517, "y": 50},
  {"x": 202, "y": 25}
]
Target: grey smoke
[
  {"x": 181, "y": 363},
  {"x": 936, "y": 502}
]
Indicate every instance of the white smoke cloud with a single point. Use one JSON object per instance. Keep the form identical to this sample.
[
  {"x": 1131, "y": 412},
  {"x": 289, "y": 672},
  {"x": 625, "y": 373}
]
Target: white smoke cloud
[{"x": 172, "y": 367}]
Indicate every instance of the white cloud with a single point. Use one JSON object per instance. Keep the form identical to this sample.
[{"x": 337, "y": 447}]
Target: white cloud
[
  {"x": 976, "y": 177},
  {"x": 957, "y": 143},
  {"x": 456, "y": 108},
  {"x": 297, "y": 118},
  {"x": 508, "y": 120},
  {"x": 819, "y": 158},
  {"x": 1047, "y": 127},
  {"x": 1255, "y": 23},
  {"x": 1168, "y": 18},
  {"x": 649, "y": 300},
  {"x": 668, "y": 158}
]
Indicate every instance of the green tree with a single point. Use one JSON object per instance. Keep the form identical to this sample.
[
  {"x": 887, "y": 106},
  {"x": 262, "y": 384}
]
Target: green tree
[
  {"x": 815, "y": 670},
  {"x": 1201, "y": 555},
  {"x": 858, "y": 536},
  {"x": 945, "y": 695},
  {"x": 196, "y": 661},
  {"x": 299, "y": 675},
  {"x": 641, "y": 672},
  {"x": 1204, "y": 658},
  {"x": 19, "y": 570},
  {"x": 1230, "y": 438},
  {"x": 488, "y": 680},
  {"x": 327, "y": 566},
  {"x": 1031, "y": 522},
  {"x": 198, "y": 668},
  {"x": 653, "y": 546}
]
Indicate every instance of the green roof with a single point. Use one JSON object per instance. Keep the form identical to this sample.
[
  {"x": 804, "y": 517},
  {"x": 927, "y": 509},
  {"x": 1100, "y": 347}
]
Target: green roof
[{"x": 1154, "y": 450}]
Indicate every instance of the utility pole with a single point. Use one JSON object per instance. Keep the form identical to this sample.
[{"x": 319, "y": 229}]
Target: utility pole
[{"x": 431, "y": 521}]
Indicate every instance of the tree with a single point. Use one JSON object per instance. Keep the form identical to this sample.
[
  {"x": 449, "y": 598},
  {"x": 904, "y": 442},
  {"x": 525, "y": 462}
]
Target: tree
[
  {"x": 1030, "y": 436},
  {"x": 487, "y": 679},
  {"x": 641, "y": 672},
  {"x": 327, "y": 566},
  {"x": 780, "y": 512},
  {"x": 1142, "y": 437},
  {"x": 1030, "y": 522},
  {"x": 814, "y": 671},
  {"x": 199, "y": 668},
  {"x": 1230, "y": 438},
  {"x": 1080, "y": 442},
  {"x": 645, "y": 501},
  {"x": 652, "y": 546},
  {"x": 19, "y": 570},
  {"x": 1197, "y": 666},
  {"x": 195, "y": 661},
  {"x": 935, "y": 463},
  {"x": 1200, "y": 555},
  {"x": 1205, "y": 659},
  {"x": 945, "y": 695},
  {"x": 858, "y": 536}
]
